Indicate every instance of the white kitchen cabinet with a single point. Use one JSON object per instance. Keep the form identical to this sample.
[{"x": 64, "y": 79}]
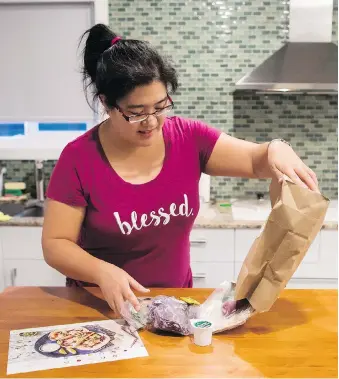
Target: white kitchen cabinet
[
  {"x": 243, "y": 241},
  {"x": 245, "y": 238},
  {"x": 22, "y": 258},
  {"x": 312, "y": 283},
  {"x": 210, "y": 275},
  {"x": 325, "y": 266},
  {"x": 318, "y": 269},
  {"x": 212, "y": 256},
  {"x": 21, "y": 242},
  {"x": 2, "y": 273},
  {"x": 212, "y": 245},
  {"x": 329, "y": 251},
  {"x": 30, "y": 272},
  {"x": 216, "y": 255},
  {"x": 302, "y": 282}
]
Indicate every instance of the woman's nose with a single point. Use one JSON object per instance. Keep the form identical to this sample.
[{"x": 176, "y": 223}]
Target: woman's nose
[{"x": 151, "y": 121}]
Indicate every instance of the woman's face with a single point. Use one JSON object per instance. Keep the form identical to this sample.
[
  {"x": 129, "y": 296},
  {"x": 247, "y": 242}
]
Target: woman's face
[{"x": 142, "y": 100}]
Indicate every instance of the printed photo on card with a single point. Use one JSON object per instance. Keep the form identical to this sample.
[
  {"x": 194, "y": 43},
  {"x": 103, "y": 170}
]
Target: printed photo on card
[{"x": 72, "y": 345}]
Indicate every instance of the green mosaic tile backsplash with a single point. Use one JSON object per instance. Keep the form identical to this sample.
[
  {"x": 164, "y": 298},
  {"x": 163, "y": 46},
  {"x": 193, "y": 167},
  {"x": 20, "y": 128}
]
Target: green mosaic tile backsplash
[
  {"x": 335, "y": 22},
  {"x": 213, "y": 44},
  {"x": 309, "y": 123}
]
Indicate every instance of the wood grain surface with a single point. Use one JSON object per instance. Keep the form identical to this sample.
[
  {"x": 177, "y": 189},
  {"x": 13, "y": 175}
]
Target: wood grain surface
[{"x": 297, "y": 338}]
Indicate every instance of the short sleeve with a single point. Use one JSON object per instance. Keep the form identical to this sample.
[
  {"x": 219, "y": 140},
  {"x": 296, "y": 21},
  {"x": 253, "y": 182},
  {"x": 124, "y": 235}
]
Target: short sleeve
[
  {"x": 205, "y": 138},
  {"x": 65, "y": 185}
]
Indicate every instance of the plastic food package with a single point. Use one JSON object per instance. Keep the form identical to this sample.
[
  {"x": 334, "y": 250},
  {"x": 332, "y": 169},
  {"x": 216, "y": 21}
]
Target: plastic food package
[
  {"x": 173, "y": 315},
  {"x": 161, "y": 313},
  {"x": 223, "y": 311}
]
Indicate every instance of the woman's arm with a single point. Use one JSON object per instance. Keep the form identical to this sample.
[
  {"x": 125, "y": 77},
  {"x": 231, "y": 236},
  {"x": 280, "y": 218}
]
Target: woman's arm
[
  {"x": 60, "y": 233},
  {"x": 61, "y": 229},
  {"x": 234, "y": 157}
]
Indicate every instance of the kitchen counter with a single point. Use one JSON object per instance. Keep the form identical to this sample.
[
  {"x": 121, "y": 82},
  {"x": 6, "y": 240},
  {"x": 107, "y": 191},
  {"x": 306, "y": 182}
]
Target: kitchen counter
[
  {"x": 210, "y": 217},
  {"x": 296, "y": 338}
]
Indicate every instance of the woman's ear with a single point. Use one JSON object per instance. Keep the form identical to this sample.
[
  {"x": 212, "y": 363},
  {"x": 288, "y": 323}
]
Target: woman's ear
[
  {"x": 103, "y": 101},
  {"x": 103, "y": 109}
]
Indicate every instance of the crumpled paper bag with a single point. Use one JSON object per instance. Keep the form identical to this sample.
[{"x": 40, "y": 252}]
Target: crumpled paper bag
[{"x": 296, "y": 218}]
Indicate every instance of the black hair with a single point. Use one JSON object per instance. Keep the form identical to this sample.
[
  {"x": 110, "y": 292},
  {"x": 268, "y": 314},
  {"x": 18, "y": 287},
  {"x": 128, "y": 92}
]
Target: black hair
[{"x": 115, "y": 70}]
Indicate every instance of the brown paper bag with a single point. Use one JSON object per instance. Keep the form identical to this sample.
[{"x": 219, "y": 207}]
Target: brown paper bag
[{"x": 296, "y": 218}]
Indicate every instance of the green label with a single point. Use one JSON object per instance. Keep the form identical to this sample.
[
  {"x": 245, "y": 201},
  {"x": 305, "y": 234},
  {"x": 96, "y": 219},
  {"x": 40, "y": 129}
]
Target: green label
[{"x": 202, "y": 324}]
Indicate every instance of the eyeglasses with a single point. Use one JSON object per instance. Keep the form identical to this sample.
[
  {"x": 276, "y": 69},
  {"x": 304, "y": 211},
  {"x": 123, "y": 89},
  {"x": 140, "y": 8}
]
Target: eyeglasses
[{"x": 143, "y": 117}]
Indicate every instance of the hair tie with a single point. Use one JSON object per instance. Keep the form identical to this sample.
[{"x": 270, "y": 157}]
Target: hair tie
[{"x": 115, "y": 40}]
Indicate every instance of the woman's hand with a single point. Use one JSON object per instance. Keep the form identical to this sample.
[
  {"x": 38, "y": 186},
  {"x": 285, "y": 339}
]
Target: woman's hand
[
  {"x": 283, "y": 160},
  {"x": 116, "y": 286}
]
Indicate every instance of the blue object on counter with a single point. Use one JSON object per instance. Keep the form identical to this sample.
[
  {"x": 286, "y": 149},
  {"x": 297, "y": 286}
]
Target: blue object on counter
[
  {"x": 12, "y": 129},
  {"x": 62, "y": 126}
]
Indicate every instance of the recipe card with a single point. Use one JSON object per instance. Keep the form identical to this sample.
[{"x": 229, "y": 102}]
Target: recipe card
[{"x": 58, "y": 346}]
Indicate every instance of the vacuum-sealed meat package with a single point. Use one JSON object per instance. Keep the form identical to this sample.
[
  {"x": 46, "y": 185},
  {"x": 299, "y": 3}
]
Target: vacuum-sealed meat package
[
  {"x": 171, "y": 315},
  {"x": 165, "y": 313}
]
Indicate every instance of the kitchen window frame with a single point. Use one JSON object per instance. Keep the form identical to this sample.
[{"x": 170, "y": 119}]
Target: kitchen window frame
[{"x": 8, "y": 148}]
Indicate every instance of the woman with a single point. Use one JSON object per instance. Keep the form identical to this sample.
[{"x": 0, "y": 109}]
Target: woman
[{"x": 123, "y": 197}]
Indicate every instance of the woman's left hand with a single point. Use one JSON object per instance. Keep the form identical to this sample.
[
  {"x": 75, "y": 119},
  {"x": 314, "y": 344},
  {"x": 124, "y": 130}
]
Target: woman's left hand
[{"x": 283, "y": 160}]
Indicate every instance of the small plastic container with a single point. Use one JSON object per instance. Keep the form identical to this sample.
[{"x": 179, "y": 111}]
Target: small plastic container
[{"x": 202, "y": 332}]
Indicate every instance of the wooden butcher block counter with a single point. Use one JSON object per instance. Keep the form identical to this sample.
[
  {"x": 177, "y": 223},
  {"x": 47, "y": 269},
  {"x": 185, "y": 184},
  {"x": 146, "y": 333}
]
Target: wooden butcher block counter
[{"x": 296, "y": 338}]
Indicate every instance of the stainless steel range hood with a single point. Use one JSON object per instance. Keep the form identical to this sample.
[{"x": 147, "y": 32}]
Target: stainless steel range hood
[
  {"x": 306, "y": 64},
  {"x": 297, "y": 66}
]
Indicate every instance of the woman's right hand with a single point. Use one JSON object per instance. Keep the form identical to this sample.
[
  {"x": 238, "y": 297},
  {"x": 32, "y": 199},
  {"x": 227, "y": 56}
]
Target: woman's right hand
[{"x": 117, "y": 286}]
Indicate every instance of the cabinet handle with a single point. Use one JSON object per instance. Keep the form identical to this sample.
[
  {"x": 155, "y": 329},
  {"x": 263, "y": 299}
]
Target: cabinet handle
[
  {"x": 199, "y": 242},
  {"x": 13, "y": 276},
  {"x": 199, "y": 275}
]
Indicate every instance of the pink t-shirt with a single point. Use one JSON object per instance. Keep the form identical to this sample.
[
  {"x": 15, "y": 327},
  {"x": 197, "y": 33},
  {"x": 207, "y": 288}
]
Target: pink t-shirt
[{"x": 143, "y": 229}]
